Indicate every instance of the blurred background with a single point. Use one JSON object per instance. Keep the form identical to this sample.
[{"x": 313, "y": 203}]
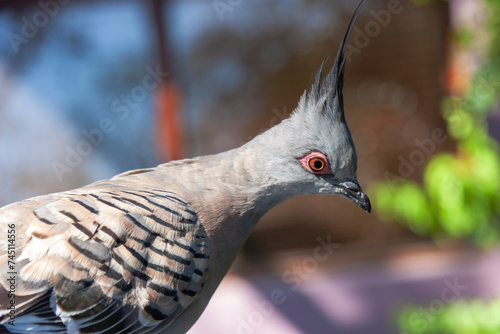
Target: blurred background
[{"x": 89, "y": 89}]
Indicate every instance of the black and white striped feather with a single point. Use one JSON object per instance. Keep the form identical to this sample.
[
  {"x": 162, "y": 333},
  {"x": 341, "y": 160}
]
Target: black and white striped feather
[{"x": 105, "y": 259}]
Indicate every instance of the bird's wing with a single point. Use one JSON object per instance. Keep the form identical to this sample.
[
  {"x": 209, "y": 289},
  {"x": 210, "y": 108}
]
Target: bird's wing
[{"x": 107, "y": 258}]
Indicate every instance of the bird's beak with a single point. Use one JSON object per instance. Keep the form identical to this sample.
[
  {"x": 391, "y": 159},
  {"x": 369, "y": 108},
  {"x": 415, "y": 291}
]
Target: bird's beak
[{"x": 353, "y": 192}]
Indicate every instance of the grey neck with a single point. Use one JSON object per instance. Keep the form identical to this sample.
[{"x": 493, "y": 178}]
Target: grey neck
[{"x": 230, "y": 191}]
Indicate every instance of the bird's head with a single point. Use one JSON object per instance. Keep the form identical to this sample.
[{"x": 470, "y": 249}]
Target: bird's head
[{"x": 314, "y": 152}]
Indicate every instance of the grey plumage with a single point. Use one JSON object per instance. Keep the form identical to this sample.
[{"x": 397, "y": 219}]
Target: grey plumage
[{"x": 144, "y": 251}]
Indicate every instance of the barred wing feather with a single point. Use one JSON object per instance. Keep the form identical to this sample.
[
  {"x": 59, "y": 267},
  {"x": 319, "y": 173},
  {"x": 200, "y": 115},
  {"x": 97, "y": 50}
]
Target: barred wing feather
[{"x": 107, "y": 259}]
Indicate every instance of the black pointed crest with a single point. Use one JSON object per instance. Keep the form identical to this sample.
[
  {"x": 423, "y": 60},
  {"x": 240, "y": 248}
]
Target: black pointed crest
[{"x": 333, "y": 83}]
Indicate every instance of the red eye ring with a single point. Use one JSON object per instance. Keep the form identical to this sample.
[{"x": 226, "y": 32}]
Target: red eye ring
[{"x": 315, "y": 162}]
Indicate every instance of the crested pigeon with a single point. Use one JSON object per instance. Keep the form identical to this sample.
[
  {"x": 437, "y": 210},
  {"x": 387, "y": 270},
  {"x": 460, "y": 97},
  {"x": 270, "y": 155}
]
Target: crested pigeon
[{"x": 144, "y": 251}]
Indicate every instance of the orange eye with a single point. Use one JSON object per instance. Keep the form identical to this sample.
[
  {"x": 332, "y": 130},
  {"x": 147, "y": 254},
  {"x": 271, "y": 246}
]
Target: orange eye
[{"x": 317, "y": 164}]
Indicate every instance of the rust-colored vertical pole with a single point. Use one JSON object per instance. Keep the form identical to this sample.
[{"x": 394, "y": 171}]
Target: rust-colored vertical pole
[{"x": 168, "y": 118}]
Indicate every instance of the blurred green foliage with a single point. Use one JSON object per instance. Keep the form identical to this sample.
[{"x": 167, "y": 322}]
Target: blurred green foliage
[
  {"x": 460, "y": 194},
  {"x": 461, "y": 317}
]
